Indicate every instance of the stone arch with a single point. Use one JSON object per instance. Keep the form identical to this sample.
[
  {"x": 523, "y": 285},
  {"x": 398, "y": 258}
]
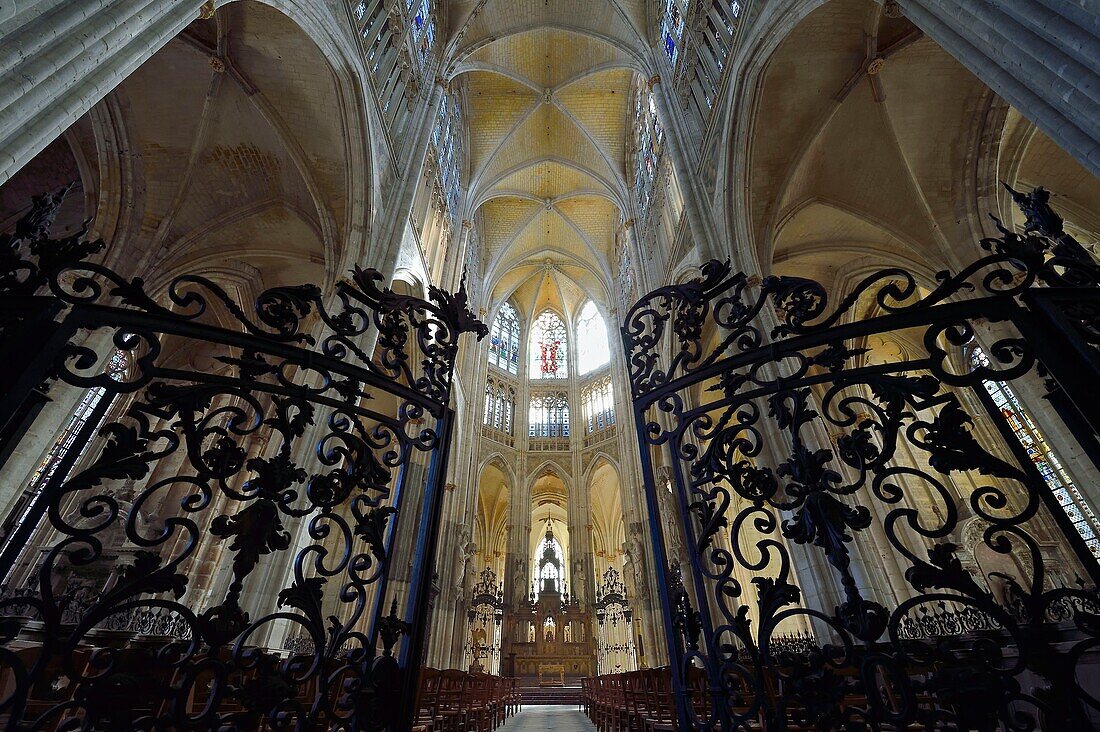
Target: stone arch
[
  {"x": 550, "y": 465},
  {"x": 980, "y": 559},
  {"x": 343, "y": 209}
]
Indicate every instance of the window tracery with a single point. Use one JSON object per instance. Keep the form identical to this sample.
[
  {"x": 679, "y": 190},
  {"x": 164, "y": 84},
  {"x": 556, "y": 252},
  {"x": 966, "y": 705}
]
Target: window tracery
[
  {"x": 117, "y": 368},
  {"x": 593, "y": 350},
  {"x": 504, "y": 339},
  {"x": 598, "y": 405},
  {"x": 549, "y": 343},
  {"x": 548, "y": 415},
  {"x": 672, "y": 28},
  {"x": 549, "y": 565},
  {"x": 423, "y": 32},
  {"x": 649, "y": 136},
  {"x": 500, "y": 406},
  {"x": 1043, "y": 456},
  {"x": 447, "y": 143}
]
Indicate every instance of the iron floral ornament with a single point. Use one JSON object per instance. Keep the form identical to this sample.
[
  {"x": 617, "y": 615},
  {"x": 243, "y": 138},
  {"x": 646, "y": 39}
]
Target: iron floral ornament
[
  {"x": 237, "y": 508},
  {"x": 848, "y": 500}
]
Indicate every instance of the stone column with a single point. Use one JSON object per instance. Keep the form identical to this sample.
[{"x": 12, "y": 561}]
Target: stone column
[
  {"x": 696, "y": 206},
  {"x": 455, "y": 258},
  {"x": 60, "y": 58},
  {"x": 1042, "y": 57}
]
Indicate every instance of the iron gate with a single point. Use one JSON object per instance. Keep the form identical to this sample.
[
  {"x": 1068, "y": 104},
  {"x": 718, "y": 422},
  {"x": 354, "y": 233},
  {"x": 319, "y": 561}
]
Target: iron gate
[
  {"x": 840, "y": 511},
  {"x": 134, "y": 597}
]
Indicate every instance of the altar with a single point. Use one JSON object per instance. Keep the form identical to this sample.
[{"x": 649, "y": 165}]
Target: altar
[
  {"x": 549, "y": 639},
  {"x": 551, "y": 674}
]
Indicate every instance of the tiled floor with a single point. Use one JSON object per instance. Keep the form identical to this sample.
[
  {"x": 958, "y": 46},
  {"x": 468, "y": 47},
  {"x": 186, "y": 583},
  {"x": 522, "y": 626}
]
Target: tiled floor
[{"x": 541, "y": 719}]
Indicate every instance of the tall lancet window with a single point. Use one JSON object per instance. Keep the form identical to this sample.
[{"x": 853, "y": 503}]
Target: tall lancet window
[
  {"x": 423, "y": 32},
  {"x": 593, "y": 351},
  {"x": 117, "y": 368},
  {"x": 672, "y": 28},
  {"x": 504, "y": 340},
  {"x": 649, "y": 136},
  {"x": 548, "y": 347},
  {"x": 447, "y": 139},
  {"x": 1043, "y": 456}
]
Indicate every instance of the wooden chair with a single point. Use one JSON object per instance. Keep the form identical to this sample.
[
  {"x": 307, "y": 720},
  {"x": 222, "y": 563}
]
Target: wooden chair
[
  {"x": 478, "y": 708},
  {"x": 427, "y": 703},
  {"x": 662, "y": 707},
  {"x": 451, "y": 709}
]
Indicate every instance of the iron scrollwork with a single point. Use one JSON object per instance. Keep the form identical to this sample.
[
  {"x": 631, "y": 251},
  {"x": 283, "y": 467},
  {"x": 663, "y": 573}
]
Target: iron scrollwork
[
  {"x": 186, "y": 482},
  {"x": 825, "y": 493}
]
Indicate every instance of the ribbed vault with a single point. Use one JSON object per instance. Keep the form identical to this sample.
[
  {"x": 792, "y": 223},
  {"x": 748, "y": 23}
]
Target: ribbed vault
[{"x": 548, "y": 89}]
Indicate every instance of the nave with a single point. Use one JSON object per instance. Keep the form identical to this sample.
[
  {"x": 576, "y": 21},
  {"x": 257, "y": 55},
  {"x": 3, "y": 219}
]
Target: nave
[
  {"x": 731, "y": 360},
  {"x": 548, "y": 719}
]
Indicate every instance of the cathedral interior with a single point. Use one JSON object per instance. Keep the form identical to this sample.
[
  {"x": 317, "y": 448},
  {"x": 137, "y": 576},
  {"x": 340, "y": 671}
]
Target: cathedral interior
[{"x": 410, "y": 364}]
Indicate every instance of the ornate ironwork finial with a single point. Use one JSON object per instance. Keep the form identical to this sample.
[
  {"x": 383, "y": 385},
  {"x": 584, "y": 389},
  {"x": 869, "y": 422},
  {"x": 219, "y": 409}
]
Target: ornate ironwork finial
[{"x": 391, "y": 628}]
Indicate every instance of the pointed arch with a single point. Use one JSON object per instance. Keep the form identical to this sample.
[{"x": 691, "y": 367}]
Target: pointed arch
[
  {"x": 505, "y": 338},
  {"x": 592, "y": 344},
  {"x": 548, "y": 346}
]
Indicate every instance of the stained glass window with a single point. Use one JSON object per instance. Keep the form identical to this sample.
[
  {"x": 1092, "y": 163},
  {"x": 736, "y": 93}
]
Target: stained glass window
[
  {"x": 1043, "y": 456},
  {"x": 117, "y": 367},
  {"x": 447, "y": 140},
  {"x": 649, "y": 138},
  {"x": 598, "y": 405},
  {"x": 548, "y": 415},
  {"x": 504, "y": 339},
  {"x": 423, "y": 32},
  {"x": 500, "y": 406},
  {"x": 593, "y": 350},
  {"x": 672, "y": 28},
  {"x": 549, "y": 344}
]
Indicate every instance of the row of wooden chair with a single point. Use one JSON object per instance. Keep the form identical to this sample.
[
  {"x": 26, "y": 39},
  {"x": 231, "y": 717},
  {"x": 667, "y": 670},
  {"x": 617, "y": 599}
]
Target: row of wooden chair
[
  {"x": 643, "y": 701},
  {"x": 452, "y": 700},
  {"x": 633, "y": 701}
]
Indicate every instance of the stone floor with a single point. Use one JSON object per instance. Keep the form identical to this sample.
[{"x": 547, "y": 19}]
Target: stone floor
[{"x": 542, "y": 719}]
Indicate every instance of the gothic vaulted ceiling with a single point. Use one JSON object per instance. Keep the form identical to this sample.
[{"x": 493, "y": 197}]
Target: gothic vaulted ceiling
[
  {"x": 229, "y": 149},
  {"x": 548, "y": 89},
  {"x": 872, "y": 146}
]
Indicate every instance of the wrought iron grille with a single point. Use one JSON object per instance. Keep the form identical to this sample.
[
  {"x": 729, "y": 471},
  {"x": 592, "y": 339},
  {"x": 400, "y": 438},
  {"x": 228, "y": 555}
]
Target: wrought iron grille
[
  {"x": 244, "y": 546},
  {"x": 484, "y": 617},
  {"x": 614, "y": 630},
  {"x": 840, "y": 499}
]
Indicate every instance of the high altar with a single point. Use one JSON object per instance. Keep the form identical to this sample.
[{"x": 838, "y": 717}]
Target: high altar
[{"x": 550, "y": 640}]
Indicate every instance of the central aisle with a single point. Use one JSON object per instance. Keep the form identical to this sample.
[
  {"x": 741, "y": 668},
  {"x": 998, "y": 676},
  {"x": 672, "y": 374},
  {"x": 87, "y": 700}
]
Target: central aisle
[{"x": 543, "y": 718}]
